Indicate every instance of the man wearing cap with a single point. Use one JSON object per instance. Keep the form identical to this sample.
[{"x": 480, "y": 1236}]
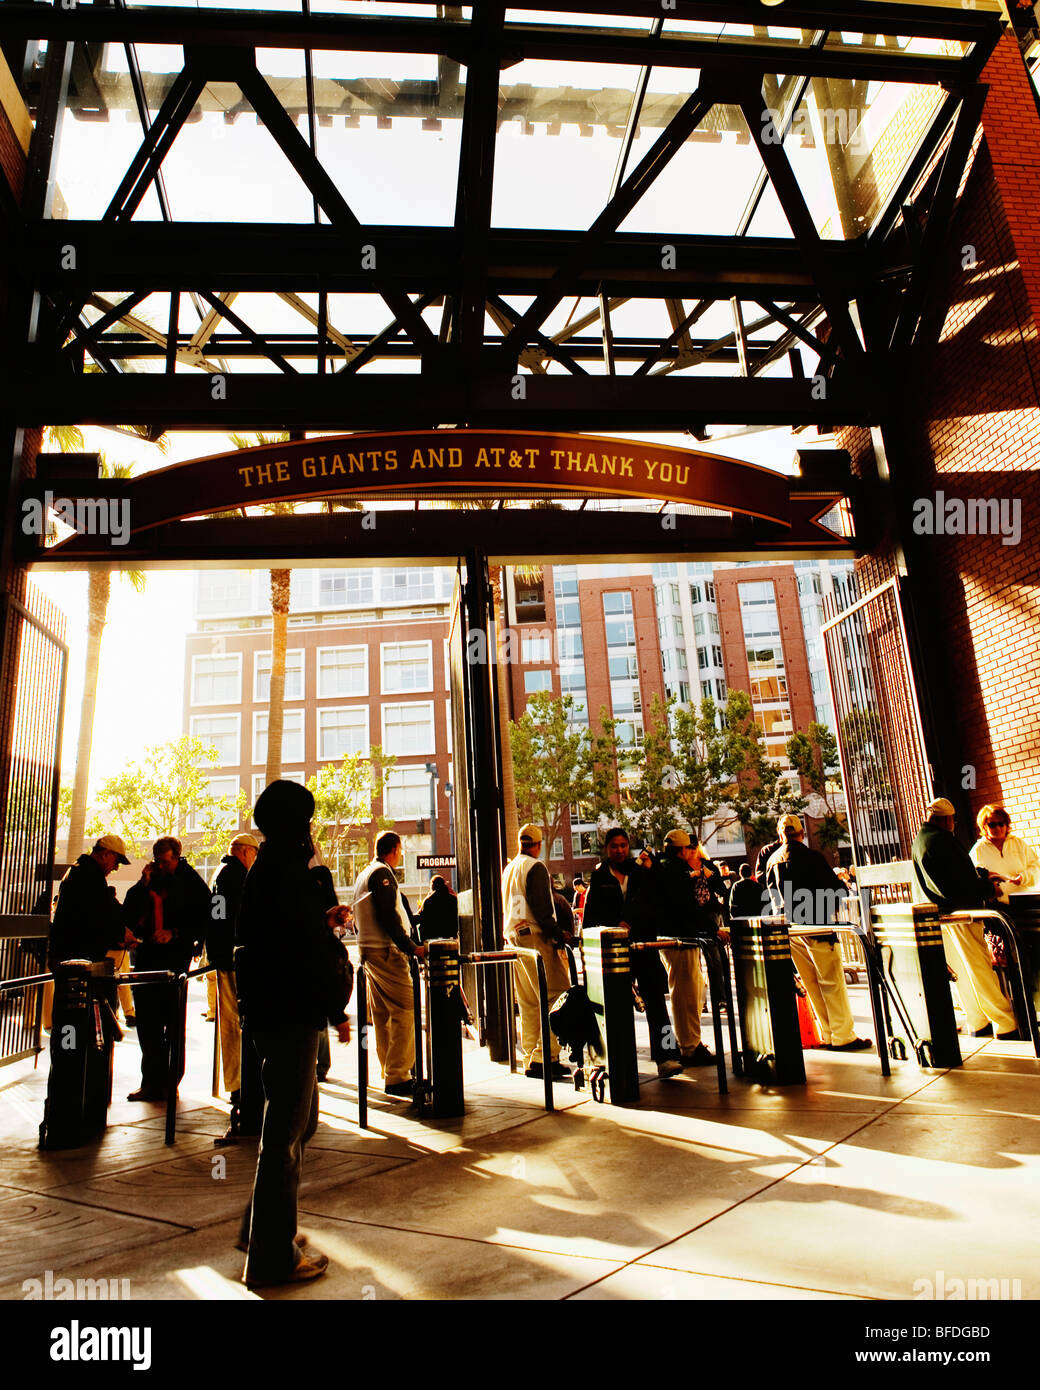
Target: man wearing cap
[
  {"x": 805, "y": 889},
  {"x": 530, "y": 921},
  {"x": 948, "y": 878},
  {"x": 383, "y": 936},
  {"x": 88, "y": 917},
  {"x": 220, "y": 947}
]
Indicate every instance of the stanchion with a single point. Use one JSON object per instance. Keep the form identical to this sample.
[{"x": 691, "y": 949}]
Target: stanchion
[
  {"x": 445, "y": 1025},
  {"x": 910, "y": 943},
  {"x": 546, "y": 1033},
  {"x": 608, "y": 981},
  {"x": 179, "y": 1009},
  {"x": 362, "y": 1065},
  {"x": 420, "y": 1090}
]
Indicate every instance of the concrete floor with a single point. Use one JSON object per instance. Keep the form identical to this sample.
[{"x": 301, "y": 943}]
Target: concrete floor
[{"x": 851, "y": 1187}]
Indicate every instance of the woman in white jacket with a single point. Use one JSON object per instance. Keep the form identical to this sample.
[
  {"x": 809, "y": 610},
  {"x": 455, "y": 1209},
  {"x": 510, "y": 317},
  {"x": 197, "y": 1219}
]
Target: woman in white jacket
[{"x": 1012, "y": 863}]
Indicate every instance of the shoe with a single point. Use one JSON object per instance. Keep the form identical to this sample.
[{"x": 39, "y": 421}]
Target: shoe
[
  {"x": 130, "y": 1022},
  {"x": 148, "y": 1093},
  {"x": 699, "y": 1057},
  {"x": 534, "y": 1071},
  {"x": 1010, "y": 1037},
  {"x": 299, "y": 1240},
  {"x": 323, "y": 1076},
  {"x": 856, "y": 1045},
  {"x": 560, "y": 1072},
  {"x": 400, "y": 1088},
  {"x": 210, "y": 1018},
  {"x": 672, "y": 1067},
  {"x": 986, "y": 1032},
  {"x": 307, "y": 1267}
]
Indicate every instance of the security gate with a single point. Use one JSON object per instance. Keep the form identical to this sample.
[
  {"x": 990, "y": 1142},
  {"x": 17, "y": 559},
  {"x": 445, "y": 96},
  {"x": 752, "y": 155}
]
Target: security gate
[
  {"x": 884, "y": 763},
  {"x": 36, "y": 667}
]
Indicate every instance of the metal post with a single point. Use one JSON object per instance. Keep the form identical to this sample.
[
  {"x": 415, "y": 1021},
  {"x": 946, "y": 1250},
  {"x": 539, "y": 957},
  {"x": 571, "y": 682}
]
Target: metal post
[
  {"x": 712, "y": 953},
  {"x": 362, "y": 1064},
  {"x": 179, "y": 1010},
  {"x": 420, "y": 1092},
  {"x": 431, "y": 769},
  {"x": 215, "y": 1086},
  {"x": 546, "y": 1032},
  {"x": 449, "y": 792},
  {"x": 445, "y": 1025}
]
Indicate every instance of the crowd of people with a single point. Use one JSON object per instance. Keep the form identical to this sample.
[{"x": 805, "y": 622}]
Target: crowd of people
[{"x": 275, "y": 1010}]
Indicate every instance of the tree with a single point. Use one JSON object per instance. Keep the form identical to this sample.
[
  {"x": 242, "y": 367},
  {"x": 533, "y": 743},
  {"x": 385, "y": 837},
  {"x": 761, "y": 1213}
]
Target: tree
[
  {"x": 722, "y": 772},
  {"x": 343, "y": 796},
  {"x": 648, "y": 807},
  {"x": 557, "y": 765},
  {"x": 163, "y": 794},
  {"x": 99, "y": 590},
  {"x": 814, "y": 756}
]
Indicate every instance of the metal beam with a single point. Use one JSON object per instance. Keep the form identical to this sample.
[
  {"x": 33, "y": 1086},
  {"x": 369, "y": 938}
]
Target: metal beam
[{"x": 265, "y": 401}]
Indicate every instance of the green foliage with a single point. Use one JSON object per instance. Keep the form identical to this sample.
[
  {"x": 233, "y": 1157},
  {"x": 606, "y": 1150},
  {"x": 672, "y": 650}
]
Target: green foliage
[
  {"x": 557, "y": 765},
  {"x": 649, "y": 806},
  {"x": 814, "y": 755},
  {"x": 343, "y": 795},
  {"x": 164, "y": 793}
]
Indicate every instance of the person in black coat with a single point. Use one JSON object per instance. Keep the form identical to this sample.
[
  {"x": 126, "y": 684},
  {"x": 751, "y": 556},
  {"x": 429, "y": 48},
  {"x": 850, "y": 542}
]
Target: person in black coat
[
  {"x": 88, "y": 917},
  {"x": 168, "y": 910},
  {"x": 220, "y": 947},
  {"x": 621, "y": 894},
  {"x": 747, "y": 897},
  {"x": 286, "y": 980},
  {"x": 439, "y": 914}
]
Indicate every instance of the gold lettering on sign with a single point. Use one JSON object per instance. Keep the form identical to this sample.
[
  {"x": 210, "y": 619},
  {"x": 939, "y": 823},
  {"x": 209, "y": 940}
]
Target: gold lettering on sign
[
  {"x": 309, "y": 470},
  {"x": 626, "y": 467},
  {"x": 282, "y": 470},
  {"x": 245, "y": 472},
  {"x": 357, "y": 463}
]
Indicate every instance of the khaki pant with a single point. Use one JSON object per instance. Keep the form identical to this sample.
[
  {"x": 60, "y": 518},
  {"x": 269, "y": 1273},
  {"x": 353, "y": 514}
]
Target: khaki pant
[
  {"x": 525, "y": 980},
  {"x": 122, "y": 967},
  {"x": 686, "y": 986},
  {"x": 390, "y": 1007},
  {"x": 981, "y": 997},
  {"x": 822, "y": 970},
  {"x": 229, "y": 1028}
]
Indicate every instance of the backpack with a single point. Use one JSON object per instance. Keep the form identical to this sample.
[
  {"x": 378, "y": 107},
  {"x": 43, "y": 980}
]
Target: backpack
[{"x": 573, "y": 1020}]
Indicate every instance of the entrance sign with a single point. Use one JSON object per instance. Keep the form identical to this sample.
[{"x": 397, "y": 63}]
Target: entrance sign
[
  {"x": 435, "y": 861},
  {"x": 430, "y": 463}
]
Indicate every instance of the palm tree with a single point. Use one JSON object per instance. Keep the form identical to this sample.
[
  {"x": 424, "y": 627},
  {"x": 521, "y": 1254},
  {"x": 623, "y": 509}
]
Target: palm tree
[
  {"x": 281, "y": 585},
  {"x": 99, "y": 589}
]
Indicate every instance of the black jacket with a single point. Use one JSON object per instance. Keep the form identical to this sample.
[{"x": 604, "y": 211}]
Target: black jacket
[
  {"x": 749, "y": 898},
  {"x": 683, "y": 913},
  {"x": 605, "y": 906},
  {"x": 88, "y": 918},
  {"x": 439, "y": 915},
  {"x": 284, "y": 943},
  {"x": 227, "y": 894},
  {"x": 803, "y": 886},
  {"x": 945, "y": 871},
  {"x": 187, "y": 912}
]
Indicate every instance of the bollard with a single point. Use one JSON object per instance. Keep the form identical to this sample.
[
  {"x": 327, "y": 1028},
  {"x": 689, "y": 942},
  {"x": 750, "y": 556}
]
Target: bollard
[
  {"x": 609, "y": 985},
  {"x": 363, "y": 1041},
  {"x": 79, "y": 1087},
  {"x": 767, "y": 1002},
  {"x": 445, "y": 1025},
  {"x": 913, "y": 959}
]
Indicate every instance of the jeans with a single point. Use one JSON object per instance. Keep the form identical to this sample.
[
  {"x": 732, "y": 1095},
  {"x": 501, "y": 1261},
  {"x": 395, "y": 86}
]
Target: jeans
[{"x": 288, "y": 1057}]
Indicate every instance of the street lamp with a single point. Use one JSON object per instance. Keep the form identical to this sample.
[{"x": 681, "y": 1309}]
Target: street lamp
[
  {"x": 431, "y": 768},
  {"x": 449, "y": 792}
]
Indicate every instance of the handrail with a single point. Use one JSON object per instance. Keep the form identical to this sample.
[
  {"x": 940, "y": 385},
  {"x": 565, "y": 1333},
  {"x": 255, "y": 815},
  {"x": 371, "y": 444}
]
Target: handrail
[{"x": 543, "y": 1022}]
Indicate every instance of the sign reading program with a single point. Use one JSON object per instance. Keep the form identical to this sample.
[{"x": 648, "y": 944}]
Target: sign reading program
[{"x": 457, "y": 462}]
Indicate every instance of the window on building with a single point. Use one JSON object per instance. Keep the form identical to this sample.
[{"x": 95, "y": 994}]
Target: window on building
[
  {"x": 617, "y": 604},
  {"x": 698, "y": 624},
  {"x": 706, "y": 691},
  {"x": 535, "y": 648},
  {"x": 293, "y": 676},
  {"x": 407, "y": 794},
  {"x": 406, "y": 666},
  {"x": 342, "y": 671},
  {"x": 696, "y": 595},
  {"x": 713, "y": 622},
  {"x": 720, "y": 690},
  {"x": 412, "y": 585},
  {"x": 216, "y": 680},
  {"x": 408, "y": 729},
  {"x": 709, "y": 591},
  {"x": 716, "y": 653},
  {"x": 569, "y": 645},
  {"x": 624, "y": 667},
  {"x": 345, "y": 588},
  {"x": 217, "y": 787},
  {"x": 537, "y": 680},
  {"x": 292, "y": 736},
  {"x": 342, "y": 732},
  {"x": 225, "y": 591},
  {"x": 568, "y": 612},
  {"x": 221, "y": 730}
]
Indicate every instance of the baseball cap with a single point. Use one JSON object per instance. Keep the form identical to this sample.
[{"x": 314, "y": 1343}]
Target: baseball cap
[
  {"x": 677, "y": 837},
  {"x": 115, "y": 844},
  {"x": 531, "y": 833},
  {"x": 250, "y": 840},
  {"x": 786, "y": 823},
  {"x": 941, "y": 806}
]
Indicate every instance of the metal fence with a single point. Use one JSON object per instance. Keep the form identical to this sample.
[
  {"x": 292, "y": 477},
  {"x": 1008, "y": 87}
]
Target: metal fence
[{"x": 37, "y": 657}]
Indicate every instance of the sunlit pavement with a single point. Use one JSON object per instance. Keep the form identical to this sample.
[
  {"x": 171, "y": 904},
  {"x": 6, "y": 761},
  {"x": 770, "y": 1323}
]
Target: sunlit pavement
[{"x": 854, "y": 1186}]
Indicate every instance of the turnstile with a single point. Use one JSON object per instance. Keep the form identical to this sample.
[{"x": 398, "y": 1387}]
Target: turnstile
[
  {"x": 608, "y": 981},
  {"x": 79, "y": 1087},
  {"x": 766, "y": 1000},
  {"x": 913, "y": 965}
]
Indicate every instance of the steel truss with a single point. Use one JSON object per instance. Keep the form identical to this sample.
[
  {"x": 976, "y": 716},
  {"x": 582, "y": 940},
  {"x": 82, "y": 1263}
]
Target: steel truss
[{"x": 471, "y": 305}]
